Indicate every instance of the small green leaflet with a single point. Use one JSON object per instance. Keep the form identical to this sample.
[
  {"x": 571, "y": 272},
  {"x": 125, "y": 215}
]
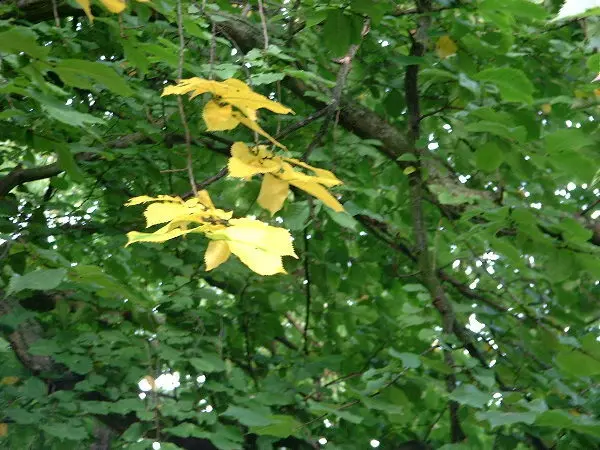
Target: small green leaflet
[
  {"x": 489, "y": 157},
  {"x": 469, "y": 395},
  {"x": 513, "y": 84},
  {"x": 40, "y": 280},
  {"x": 498, "y": 418},
  {"x": 21, "y": 39},
  {"x": 577, "y": 363},
  {"x": 85, "y": 74}
]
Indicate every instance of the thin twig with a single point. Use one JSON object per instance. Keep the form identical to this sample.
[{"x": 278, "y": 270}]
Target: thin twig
[
  {"x": 306, "y": 289},
  {"x": 186, "y": 128},
  {"x": 424, "y": 258},
  {"x": 55, "y": 12},
  {"x": 589, "y": 208},
  {"x": 213, "y": 48},
  {"x": 302, "y": 123},
  {"x": 342, "y": 76},
  {"x": 263, "y": 20},
  {"x": 207, "y": 182}
]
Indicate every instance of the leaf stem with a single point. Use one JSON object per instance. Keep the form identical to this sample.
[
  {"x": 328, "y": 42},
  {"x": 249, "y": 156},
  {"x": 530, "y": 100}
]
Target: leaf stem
[{"x": 186, "y": 127}]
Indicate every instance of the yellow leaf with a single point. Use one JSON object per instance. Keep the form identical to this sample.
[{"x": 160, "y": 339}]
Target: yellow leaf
[
  {"x": 145, "y": 199},
  {"x": 9, "y": 380},
  {"x": 204, "y": 198},
  {"x": 257, "y": 245},
  {"x": 273, "y": 192},
  {"x": 85, "y": 5},
  {"x": 244, "y": 163},
  {"x": 318, "y": 191},
  {"x": 232, "y": 91},
  {"x": 255, "y": 127},
  {"x": 409, "y": 170},
  {"x": 3, "y": 429},
  {"x": 216, "y": 254},
  {"x": 161, "y": 235},
  {"x": 259, "y": 261},
  {"x": 325, "y": 177},
  {"x": 115, "y": 6},
  {"x": 165, "y": 212},
  {"x": 445, "y": 47},
  {"x": 219, "y": 118},
  {"x": 260, "y": 235},
  {"x": 546, "y": 108},
  {"x": 241, "y": 96}
]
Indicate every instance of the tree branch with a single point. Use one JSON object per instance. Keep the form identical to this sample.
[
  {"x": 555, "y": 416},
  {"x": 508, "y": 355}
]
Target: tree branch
[{"x": 427, "y": 269}]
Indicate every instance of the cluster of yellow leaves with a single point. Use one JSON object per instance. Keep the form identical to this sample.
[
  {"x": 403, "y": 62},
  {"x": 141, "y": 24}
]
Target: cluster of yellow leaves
[
  {"x": 114, "y": 6},
  {"x": 258, "y": 245},
  {"x": 233, "y": 103},
  {"x": 279, "y": 173}
]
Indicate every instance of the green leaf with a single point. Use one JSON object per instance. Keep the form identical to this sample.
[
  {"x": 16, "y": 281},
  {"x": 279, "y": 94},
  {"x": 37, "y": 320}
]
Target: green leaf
[
  {"x": 560, "y": 419},
  {"x": 498, "y": 129},
  {"x": 513, "y": 84},
  {"x": 187, "y": 430},
  {"x": 22, "y": 416},
  {"x": 375, "y": 9},
  {"x": 85, "y": 74},
  {"x": 320, "y": 408},
  {"x": 248, "y": 417},
  {"x": 409, "y": 360},
  {"x": 65, "y": 431},
  {"x": 574, "y": 231},
  {"x": 209, "y": 362},
  {"x": 567, "y": 140},
  {"x": 577, "y": 363},
  {"x": 498, "y": 419},
  {"x": 266, "y": 78},
  {"x": 134, "y": 55},
  {"x": 77, "y": 363},
  {"x": 34, "y": 388},
  {"x": 38, "y": 280},
  {"x": 340, "y": 31},
  {"x": 467, "y": 394},
  {"x": 315, "y": 17},
  {"x": 343, "y": 219},
  {"x": 280, "y": 426},
  {"x": 516, "y": 8},
  {"x": 67, "y": 115},
  {"x": 488, "y": 157},
  {"x": 67, "y": 162},
  {"x": 20, "y": 39}
]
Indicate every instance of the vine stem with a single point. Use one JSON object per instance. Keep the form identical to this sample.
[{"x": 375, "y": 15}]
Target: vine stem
[
  {"x": 184, "y": 122},
  {"x": 263, "y": 20},
  {"x": 55, "y": 12}
]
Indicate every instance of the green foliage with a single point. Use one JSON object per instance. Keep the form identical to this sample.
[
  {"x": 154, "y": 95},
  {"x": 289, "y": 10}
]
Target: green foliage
[{"x": 144, "y": 342}]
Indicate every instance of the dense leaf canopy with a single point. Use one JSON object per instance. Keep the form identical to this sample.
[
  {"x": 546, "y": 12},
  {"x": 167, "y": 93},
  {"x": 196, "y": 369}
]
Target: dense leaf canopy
[{"x": 438, "y": 177}]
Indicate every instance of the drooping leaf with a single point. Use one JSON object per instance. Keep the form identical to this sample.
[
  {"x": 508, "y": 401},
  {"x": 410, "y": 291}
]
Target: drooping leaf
[
  {"x": 513, "y": 84},
  {"x": 41, "y": 279}
]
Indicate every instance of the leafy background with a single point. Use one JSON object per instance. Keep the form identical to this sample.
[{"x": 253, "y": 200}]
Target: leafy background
[{"x": 348, "y": 350}]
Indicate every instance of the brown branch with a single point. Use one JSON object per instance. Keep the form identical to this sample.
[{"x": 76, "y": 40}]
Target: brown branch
[
  {"x": 19, "y": 176},
  {"x": 186, "y": 128},
  {"x": 307, "y": 292},
  {"x": 425, "y": 261},
  {"x": 207, "y": 182},
  {"x": 263, "y": 21}
]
